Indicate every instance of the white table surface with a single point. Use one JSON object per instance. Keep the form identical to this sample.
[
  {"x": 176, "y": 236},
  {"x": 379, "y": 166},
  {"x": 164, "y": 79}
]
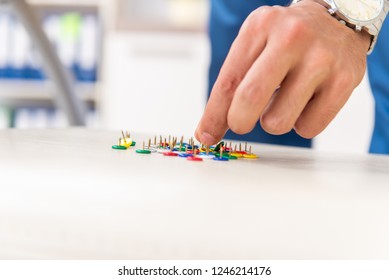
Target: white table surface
[{"x": 65, "y": 194}]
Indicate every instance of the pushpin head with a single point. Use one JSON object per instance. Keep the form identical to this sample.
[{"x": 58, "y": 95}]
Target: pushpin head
[
  {"x": 250, "y": 156},
  {"x": 119, "y": 147},
  {"x": 184, "y": 155},
  {"x": 146, "y": 152},
  {"x": 170, "y": 154},
  {"x": 228, "y": 156},
  {"x": 127, "y": 142},
  {"x": 192, "y": 158},
  {"x": 143, "y": 151},
  {"x": 220, "y": 159},
  {"x": 238, "y": 155},
  {"x": 206, "y": 156}
]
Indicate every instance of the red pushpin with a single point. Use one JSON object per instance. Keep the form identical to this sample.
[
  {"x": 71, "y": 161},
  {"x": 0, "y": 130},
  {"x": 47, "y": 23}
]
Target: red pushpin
[
  {"x": 194, "y": 157},
  {"x": 170, "y": 153}
]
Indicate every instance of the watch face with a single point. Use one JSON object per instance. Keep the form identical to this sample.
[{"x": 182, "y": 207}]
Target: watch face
[{"x": 360, "y": 10}]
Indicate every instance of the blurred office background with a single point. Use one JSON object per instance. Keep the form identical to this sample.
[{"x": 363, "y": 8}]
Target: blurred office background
[{"x": 139, "y": 65}]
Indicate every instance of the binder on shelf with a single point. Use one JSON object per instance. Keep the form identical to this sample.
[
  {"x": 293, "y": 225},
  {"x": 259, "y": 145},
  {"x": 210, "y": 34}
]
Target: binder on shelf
[
  {"x": 19, "y": 48},
  {"x": 75, "y": 37},
  {"x": 35, "y": 71},
  {"x": 87, "y": 50},
  {"x": 5, "y": 29},
  {"x": 69, "y": 31}
]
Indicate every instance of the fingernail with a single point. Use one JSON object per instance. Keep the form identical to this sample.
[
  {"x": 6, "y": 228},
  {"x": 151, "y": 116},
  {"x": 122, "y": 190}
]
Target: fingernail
[{"x": 207, "y": 138}]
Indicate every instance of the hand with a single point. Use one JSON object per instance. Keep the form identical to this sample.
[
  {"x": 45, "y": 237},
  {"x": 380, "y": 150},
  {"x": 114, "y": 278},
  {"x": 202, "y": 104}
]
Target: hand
[{"x": 289, "y": 67}]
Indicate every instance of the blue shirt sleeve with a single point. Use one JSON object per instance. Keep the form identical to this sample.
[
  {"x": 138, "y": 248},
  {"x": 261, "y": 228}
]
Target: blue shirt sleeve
[{"x": 378, "y": 69}]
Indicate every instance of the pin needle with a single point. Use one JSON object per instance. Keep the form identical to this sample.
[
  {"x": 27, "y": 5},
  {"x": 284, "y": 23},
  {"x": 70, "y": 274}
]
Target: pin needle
[
  {"x": 143, "y": 151},
  {"x": 194, "y": 151},
  {"x": 124, "y": 138},
  {"x": 119, "y": 146}
]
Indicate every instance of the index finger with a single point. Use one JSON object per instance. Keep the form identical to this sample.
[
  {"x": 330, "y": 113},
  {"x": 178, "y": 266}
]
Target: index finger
[{"x": 247, "y": 46}]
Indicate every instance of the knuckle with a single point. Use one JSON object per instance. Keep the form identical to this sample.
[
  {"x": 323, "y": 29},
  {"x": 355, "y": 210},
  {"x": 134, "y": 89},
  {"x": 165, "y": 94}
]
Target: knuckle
[
  {"x": 254, "y": 22},
  {"x": 237, "y": 127},
  {"x": 240, "y": 130},
  {"x": 295, "y": 32},
  {"x": 304, "y": 130},
  {"x": 227, "y": 84},
  {"x": 310, "y": 129},
  {"x": 263, "y": 13},
  {"x": 274, "y": 124},
  {"x": 251, "y": 92}
]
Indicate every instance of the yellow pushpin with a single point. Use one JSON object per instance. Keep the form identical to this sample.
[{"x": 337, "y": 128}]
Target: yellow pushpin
[
  {"x": 238, "y": 155},
  {"x": 250, "y": 155},
  {"x": 125, "y": 141}
]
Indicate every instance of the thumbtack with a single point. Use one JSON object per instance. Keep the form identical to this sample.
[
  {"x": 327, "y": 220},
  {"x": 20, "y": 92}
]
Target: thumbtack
[
  {"x": 143, "y": 151},
  {"x": 119, "y": 146},
  {"x": 220, "y": 157}
]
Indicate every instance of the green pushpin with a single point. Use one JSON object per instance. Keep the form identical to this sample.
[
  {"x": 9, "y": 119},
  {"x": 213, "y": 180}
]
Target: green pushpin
[
  {"x": 230, "y": 157},
  {"x": 118, "y": 146},
  {"x": 218, "y": 146},
  {"x": 146, "y": 152},
  {"x": 143, "y": 151},
  {"x": 227, "y": 156}
]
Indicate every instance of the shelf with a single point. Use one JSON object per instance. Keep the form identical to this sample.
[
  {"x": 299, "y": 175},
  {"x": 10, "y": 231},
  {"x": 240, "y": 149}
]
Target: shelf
[
  {"x": 25, "y": 93},
  {"x": 65, "y": 2},
  {"x": 39, "y": 93}
]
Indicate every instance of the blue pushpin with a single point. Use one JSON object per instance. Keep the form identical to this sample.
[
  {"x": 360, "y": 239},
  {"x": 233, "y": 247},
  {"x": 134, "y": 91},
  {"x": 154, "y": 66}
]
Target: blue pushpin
[{"x": 221, "y": 158}]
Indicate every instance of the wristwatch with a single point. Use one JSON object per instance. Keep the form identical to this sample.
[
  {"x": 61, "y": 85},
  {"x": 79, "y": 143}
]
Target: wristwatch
[{"x": 368, "y": 15}]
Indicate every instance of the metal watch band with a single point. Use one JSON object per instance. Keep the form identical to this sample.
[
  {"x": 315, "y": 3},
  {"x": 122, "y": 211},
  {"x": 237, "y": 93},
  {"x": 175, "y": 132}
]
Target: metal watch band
[{"x": 378, "y": 25}]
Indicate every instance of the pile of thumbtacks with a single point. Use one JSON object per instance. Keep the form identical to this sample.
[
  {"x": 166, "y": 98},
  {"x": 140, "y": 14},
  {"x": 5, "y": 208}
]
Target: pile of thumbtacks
[{"x": 171, "y": 147}]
